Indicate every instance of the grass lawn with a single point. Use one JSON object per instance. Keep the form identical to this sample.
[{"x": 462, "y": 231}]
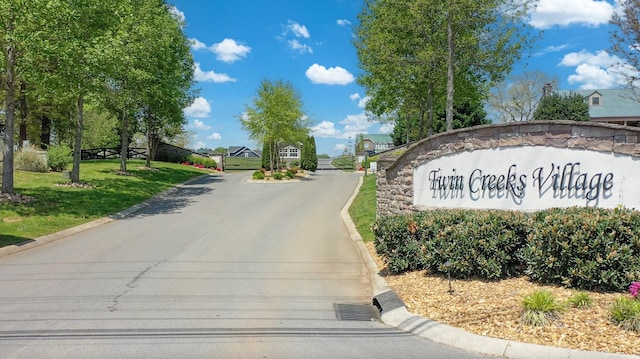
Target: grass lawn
[
  {"x": 344, "y": 163},
  {"x": 57, "y": 207},
  {"x": 363, "y": 208}
]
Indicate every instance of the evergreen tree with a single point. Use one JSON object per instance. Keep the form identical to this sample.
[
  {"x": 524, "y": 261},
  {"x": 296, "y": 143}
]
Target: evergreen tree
[
  {"x": 309, "y": 158},
  {"x": 570, "y": 107}
]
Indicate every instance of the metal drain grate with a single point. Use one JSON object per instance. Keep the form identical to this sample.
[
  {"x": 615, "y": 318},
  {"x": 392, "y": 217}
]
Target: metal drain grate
[{"x": 354, "y": 312}]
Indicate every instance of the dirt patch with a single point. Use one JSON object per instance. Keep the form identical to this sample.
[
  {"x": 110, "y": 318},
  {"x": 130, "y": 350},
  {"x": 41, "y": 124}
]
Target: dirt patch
[{"x": 493, "y": 309}]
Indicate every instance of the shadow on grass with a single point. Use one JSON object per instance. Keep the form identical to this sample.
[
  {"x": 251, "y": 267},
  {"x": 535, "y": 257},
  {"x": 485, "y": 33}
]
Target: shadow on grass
[{"x": 8, "y": 240}]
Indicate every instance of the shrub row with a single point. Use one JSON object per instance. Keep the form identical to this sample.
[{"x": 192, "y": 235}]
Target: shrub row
[
  {"x": 584, "y": 248},
  {"x": 205, "y": 162}
]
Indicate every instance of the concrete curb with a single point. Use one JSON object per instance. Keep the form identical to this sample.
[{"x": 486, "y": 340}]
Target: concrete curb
[
  {"x": 445, "y": 334},
  {"x": 12, "y": 249}
]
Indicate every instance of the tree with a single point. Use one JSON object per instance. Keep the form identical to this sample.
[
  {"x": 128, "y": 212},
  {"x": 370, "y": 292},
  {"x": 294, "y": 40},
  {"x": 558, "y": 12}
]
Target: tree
[
  {"x": 516, "y": 99},
  {"x": 555, "y": 106},
  {"x": 276, "y": 117},
  {"x": 308, "y": 157},
  {"x": 466, "y": 114},
  {"x": 153, "y": 75},
  {"x": 625, "y": 40},
  {"x": 405, "y": 47},
  {"x": 19, "y": 29}
]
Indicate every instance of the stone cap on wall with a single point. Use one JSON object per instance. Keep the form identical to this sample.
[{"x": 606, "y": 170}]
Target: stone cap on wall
[{"x": 561, "y": 134}]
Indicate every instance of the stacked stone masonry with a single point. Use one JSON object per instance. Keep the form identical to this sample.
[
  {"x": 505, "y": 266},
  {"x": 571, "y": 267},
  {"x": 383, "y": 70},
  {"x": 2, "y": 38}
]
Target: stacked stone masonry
[{"x": 395, "y": 172}]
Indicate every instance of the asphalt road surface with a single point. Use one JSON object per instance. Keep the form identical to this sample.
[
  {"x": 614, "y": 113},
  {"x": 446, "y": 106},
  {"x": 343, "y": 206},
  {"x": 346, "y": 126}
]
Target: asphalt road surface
[{"x": 220, "y": 268}]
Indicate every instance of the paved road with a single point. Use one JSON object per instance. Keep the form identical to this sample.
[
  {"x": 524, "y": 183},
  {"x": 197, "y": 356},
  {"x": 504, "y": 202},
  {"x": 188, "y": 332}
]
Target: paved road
[{"x": 221, "y": 268}]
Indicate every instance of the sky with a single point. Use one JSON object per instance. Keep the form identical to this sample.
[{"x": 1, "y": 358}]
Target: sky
[{"x": 237, "y": 44}]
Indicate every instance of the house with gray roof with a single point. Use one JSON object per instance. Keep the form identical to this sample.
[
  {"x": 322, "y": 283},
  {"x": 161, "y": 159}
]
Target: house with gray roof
[{"x": 617, "y": 106}]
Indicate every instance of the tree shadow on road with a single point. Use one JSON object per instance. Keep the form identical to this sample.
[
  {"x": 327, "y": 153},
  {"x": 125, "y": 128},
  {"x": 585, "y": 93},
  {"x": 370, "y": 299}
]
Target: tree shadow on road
[{"x": 175, "y": 199}]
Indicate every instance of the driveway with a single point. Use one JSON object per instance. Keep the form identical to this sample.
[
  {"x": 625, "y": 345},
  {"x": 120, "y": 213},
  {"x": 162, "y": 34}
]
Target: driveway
[{"x": 218, "y": 268}]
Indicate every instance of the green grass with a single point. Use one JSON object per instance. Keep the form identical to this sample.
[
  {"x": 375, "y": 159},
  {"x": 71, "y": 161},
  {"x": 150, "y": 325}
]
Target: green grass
[
  {"x": 344, "y": 163},
  {"x": 363, "y": 208},
  {"x": 56, "y": 207}
]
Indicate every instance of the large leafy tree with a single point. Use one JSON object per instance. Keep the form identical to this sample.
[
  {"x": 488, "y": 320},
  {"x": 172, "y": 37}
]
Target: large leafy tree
[
  {"x": 80, "y": 41},
  {"x": 571, "y": 107},
  {"x": 275, "y": 117},
  {"x": 20, "y": 29},
  {"x": 406, "y": 46},
  {"x": 625, "y": 40},
  {"x": 152, "y": 78}
]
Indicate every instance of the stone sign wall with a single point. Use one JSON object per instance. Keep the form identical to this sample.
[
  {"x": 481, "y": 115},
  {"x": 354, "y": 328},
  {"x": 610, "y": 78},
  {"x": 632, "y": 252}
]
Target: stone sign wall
[{"x": 521, "y": 166}]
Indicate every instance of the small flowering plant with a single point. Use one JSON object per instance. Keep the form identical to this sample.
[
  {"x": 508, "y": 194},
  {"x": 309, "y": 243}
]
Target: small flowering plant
[{"x": 634, "y": 289}]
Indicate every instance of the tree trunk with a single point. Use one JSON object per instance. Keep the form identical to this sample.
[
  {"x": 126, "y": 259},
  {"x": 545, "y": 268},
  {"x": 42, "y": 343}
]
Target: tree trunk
[
  {"x": 149, "y": 143},
  {"x": 45, "y": 132},
  {"x": 421, "y": 124},
  {"x": 430, "y": 110},
  {"x": 10, "y": 111},
  {"x": 77, "y": 146},
  {"x": 450, "y": 69},
  {"x": 124, "y": 142},
  {"x": 23, "y": 114}
]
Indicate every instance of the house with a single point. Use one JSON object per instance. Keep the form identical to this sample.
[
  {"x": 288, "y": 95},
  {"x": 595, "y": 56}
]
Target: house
[
  {"x": 618, "y": 106},
  {"x": 242, "y": 151},
  {"x": 289, "y": 153},
  {"x": 371, "y": 144}
]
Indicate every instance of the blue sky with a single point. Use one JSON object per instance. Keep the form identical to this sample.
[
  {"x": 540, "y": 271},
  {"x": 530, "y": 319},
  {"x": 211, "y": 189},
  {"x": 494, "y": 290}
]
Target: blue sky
[{"x": 238, "y": 43}]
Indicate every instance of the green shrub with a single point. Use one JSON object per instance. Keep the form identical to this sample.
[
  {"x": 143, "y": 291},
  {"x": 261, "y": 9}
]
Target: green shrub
[
  {"x": 480, "y": 244},
  {"x": 397, "y": 242},
  {"x": 483, "y": 244},
  {"x": 278, "y": 176},
  {"x": 625, "y": 312},
  {"x": 209, "y": 163},
  {"x": 540, "y": 308},
  {"x": 584, "y": 248},
  {"x": 581, "y": 300},
  {"x": 59, "y": 157},
  {"x": 258, "y": 175},
  {"x": 290, "y": 174},
  {"x": 28, "y": 159}
]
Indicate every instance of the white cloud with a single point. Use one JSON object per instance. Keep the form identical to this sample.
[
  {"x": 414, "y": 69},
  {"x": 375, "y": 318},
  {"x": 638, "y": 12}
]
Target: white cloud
[
  {"x": 355, "y": 124},
  {"x": 339, "y": 147},
  {"x": 214, "y": 136},
  {"x": 200, "y": 108},
  {"x": 298, "y": 30},
  {"x": 210, "y": 76},
  {"x": 343, "y": 22},
  {"x": 199, "y": 145},
  {"x": 325, "y": 129},
  {"x": 197, "y": 44},
  {"x": 362, "y": 101},
  {"x": 550, "y": 13},
  {"x": 228, "y": 50},
  {"x": 596, "y": 71},
  {"x": 319, "y": 74},
  {"x": 387, "y": 128},
  {"x": 199, "y": 125},
  {"x": 551, "y": 49},
  {"x": 177, "y": 13},
  {"x": 300, "y": 47}
]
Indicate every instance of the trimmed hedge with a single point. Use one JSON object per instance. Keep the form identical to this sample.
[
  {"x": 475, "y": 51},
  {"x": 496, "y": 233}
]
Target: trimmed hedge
[
  {"x": 594, "y": 249},
  {"x": 584, "y": 248}
]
